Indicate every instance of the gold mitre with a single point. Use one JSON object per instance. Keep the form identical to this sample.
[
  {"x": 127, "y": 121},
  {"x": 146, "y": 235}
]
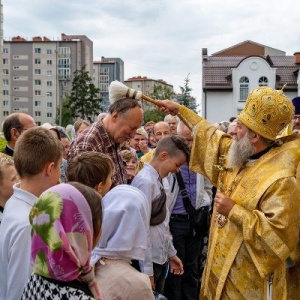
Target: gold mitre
[{"x": 267, "y": 112}]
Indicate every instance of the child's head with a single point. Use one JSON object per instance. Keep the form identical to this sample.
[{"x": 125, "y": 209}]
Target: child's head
[
  {"x": 171, "y": 152},
  {"x": 80, "y": 125},
  {"x": 8, "y": 177},
  {"x": 93, "y": 169},
  {"x": 131, "y": 160},
  {"x": 66, "y": 224},
  {"x": 37, "y": 150}
]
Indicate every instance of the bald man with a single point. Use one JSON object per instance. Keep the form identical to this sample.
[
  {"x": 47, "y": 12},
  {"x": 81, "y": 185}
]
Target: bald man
[{"x": 13, "y": 126}]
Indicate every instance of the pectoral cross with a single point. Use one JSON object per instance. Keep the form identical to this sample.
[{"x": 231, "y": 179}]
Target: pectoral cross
[
  {"x": 220, "y": 219},
  {"x": 221, "y": 167}
]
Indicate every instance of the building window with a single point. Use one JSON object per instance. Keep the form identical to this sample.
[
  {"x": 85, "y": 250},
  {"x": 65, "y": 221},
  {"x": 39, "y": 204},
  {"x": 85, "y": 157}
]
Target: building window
[
  {"x": 49, "y": 104},
  {"x": 263, "y": 81},
  {"x": 5, "y": 61},
  {"x": 16, "y": 67},
  {"x": 5, "y": 72},
  {"x": 244, "y": 88},
  {"x": 49, "y": 72},
  {"x": 49, "y": 94},
  {"x": 37, "y": 82},
  {"x": 37, "y": 61},
  {"x": 104, "y": 70},
  {"x": 16, "y": 88},
  {"x": 5, "y": 103},
  {"x": 49, "y": 83},
  {"x": 49, "y": 115},
  {"x": 37, "y": 93},
  {"x": 49, "y": 62},
  {"x": 103, "y": 87},
  {"x": 37, "y": 103},
  {"x": 49, "y": 51},
  {"x": 5, "y": 92},
  {"x": 37, "y": 113},
  {"x": 64, "y": 52},
  {"x": 37, "y": 50},
  {"x": 5, "y": 50},
  {"x": 5, "y": 113},
  {"x": 37, "y": 71},
  {"x": 16, "y": 98},
  {"x": 5, "y": 82}
]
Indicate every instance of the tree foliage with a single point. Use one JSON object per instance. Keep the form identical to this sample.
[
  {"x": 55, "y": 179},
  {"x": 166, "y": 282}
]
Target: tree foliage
[
  {"x": 84, "y": 101},
  {"x": 161, "y": 92},
  {"x": 185, "y": 97},
  {"x": 154, "y": 115},
  {"x": 66, "y": 115}
]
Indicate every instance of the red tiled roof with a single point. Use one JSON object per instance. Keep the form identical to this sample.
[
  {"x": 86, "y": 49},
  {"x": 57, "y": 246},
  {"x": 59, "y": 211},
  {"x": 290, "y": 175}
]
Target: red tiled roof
[{"x": 217, "y": 71}]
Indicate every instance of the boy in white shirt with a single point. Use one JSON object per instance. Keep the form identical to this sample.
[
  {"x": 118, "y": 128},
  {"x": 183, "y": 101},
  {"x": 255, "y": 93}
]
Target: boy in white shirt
[
  {"x": 170, "y": 154},
  {"x": 37, "y": 158}
]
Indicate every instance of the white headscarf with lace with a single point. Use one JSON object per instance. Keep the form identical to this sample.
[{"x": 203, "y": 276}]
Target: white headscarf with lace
[{"x": 125, "y": 225}]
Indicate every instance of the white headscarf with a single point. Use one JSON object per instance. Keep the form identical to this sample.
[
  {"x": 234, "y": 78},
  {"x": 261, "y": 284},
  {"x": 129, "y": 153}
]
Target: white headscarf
[{"x": 125, "y": 225}]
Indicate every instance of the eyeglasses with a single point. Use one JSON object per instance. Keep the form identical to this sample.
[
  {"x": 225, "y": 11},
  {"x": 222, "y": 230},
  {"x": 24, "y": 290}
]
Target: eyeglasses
[{"x": 296, "y": 117}]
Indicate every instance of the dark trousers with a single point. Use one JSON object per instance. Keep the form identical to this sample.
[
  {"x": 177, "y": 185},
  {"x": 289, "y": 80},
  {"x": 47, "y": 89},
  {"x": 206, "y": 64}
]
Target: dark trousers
[
  {"x": 188, "y": 246},
  {"x": 160, "y": 272}
]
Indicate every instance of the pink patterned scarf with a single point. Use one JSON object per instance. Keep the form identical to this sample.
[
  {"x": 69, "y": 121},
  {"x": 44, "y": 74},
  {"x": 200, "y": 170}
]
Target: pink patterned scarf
[{"x": 62, "y": 236}]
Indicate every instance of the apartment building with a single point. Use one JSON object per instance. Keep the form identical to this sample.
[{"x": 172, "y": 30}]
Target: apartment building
[
  {"x": 37, "y": 74},
  {"x": 104, "y": 72}
]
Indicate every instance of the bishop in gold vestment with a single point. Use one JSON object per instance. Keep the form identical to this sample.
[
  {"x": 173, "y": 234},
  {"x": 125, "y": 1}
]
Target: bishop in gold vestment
[{"x": 246, "y": 257}]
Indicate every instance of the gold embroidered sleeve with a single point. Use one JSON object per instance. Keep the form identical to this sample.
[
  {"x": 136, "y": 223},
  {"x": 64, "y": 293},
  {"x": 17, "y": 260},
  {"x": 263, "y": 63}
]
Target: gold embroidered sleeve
[{"x": 271, "y": 231}]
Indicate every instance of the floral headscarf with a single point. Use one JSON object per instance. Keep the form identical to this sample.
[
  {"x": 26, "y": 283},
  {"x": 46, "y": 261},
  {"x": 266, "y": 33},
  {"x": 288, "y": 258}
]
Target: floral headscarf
[{"x": 62, "y": 236}]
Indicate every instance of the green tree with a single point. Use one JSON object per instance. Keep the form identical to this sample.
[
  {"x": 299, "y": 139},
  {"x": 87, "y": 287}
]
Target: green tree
[
  {"x": 151, "y": 113},
  {"x": 161, "y": 92},
  {"x": 66, "y": 115},
  {"x": 154, "y": 115},
  {"x": 85, "y": 100},
  {"x": 185, "y": 97}
]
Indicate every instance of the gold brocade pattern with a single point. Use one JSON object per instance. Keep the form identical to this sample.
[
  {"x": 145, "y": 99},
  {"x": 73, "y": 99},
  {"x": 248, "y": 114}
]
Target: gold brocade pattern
[
  {"x": 262, "y": 229},
  {"x": 267, "y": 112}
]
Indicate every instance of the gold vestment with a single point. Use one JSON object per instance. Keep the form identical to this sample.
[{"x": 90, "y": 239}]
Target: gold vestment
[{"x": 262, "y": 228}]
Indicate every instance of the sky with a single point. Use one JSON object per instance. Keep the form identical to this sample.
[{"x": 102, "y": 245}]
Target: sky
[{"x": 160, "y": 39}]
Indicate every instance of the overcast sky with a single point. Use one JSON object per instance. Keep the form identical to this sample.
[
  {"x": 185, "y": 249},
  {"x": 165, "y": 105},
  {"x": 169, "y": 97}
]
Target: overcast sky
[{"x": 160, "y": 39}]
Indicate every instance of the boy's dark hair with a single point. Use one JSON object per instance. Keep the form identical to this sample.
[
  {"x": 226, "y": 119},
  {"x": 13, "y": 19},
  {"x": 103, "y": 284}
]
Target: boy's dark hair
[
  {"x": 34, "y": 149},
  {"x": 94, "y": 201},
  {"x": 173, "y": 144},
  {"x": 89, "y": 168},
  {"x": 121, "y": 106}
]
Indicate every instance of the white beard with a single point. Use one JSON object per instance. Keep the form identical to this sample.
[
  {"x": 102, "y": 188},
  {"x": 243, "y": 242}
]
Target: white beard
[{"x": 239, "y": 152}]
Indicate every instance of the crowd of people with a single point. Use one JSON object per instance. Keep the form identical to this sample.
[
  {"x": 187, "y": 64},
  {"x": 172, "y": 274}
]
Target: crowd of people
[{"x": 180, "y": 209}]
